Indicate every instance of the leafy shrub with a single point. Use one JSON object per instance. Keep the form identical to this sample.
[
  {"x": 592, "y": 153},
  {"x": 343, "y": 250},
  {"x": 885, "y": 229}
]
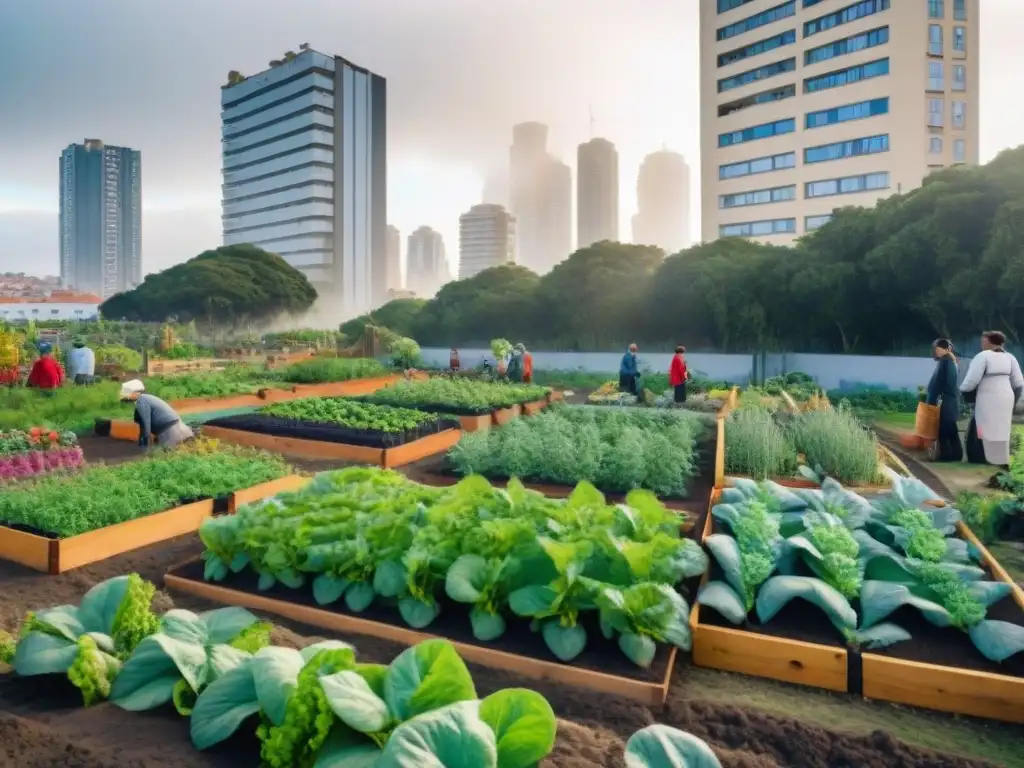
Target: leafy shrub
[
  {"x": 756, "y": 445},
  {"x": 322, "y": 370},
  {"x": 348, "y": 413},
  {"x": 834, "y": 442},
  {"x": 119, "y": 355},
  {"x": 880, "y": 400},
  {"x": 456, "y": 395}
]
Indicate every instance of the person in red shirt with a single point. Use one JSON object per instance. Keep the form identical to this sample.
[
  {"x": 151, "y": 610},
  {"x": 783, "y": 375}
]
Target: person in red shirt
[
  {"x": 678, "y": 374},
  {"x": 527, "y": 365},
  {"x": 46, "y": 373}
]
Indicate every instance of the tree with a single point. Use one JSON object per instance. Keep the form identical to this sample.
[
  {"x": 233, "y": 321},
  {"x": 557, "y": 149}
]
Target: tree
[
  {"x": 398, "y": 315},
  {"x": 228, "y": 286}
]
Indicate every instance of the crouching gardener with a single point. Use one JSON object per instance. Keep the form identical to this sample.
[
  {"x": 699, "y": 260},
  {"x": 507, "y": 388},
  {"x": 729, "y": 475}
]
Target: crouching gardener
[{"x": 155, "y": 417}]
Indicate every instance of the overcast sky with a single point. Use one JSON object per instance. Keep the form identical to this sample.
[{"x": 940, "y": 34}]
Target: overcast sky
[{"x": 147, "y": 75}]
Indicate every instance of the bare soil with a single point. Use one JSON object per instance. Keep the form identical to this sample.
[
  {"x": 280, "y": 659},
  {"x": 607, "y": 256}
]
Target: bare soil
[{"x": 42, "y": 724}]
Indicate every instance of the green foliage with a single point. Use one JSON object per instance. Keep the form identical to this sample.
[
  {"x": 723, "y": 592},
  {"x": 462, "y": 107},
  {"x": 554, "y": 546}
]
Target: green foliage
[
  {"x": 100, "y": 496},
  {"x": 615, "y": 449},
  {"x": 235, "y": 379},
  {"x": 456, "y": 395},
  {"x": 69, "y": 408},
  {"x": 348, "y": 413},
  {"x": 119, "y": 355},
  {"x": 398, "y": 315},
  {"x": 660, "y": 746},
  {"x": 322, "y": 370},
  {"x": 362, "y": 534},
  {"x": 877, "y": 400},
  {"x": 756, "y": 445},
  {"x": 405, "y": 353},
  {"x": 836, "y": 443},
  {"x": 231, "y": 285}
]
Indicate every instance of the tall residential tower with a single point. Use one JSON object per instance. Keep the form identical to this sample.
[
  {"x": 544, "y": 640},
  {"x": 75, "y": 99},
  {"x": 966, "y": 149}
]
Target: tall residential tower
[
  {"x": 597, "y": 192},
  {"x": 305, "y": 172},
  {"x": 487, "y": 238},
  {"x": 100, "y": 218},
  {"x": 663, "y": 202},
  {"x": 426, "y": 266},
  {"x": 811, "y": 105}
]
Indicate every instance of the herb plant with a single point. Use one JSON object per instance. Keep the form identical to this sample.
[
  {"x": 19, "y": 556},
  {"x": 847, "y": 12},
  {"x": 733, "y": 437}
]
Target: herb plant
[
  {"x": 352, "y": 414},
  {"x": 456, "y": 395}
]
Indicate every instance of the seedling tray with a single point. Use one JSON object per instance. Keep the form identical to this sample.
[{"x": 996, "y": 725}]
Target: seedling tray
[
  {"x": 602, "y": 667},
  {"x": 387, "y": 458}
]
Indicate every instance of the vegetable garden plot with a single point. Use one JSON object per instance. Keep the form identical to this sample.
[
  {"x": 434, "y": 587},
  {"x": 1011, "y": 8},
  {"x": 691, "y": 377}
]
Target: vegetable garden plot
[
  {"x": 461, "y": 397},
  {"x": 56, "y": 524},
  {"x": 468, "y": 560},
  {"x": 881, "y": 583},
  {"x": 342, "y": 429}
]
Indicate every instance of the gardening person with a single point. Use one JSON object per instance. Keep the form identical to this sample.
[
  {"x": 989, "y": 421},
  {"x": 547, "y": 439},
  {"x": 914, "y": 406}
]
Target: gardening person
[
  {"x": 527, "y": 364},
  {"x": 994, "y": 384},
  {"x": 943, "y": 391},
  {"x": 46, "y": 373},
  {"x": 678, "y": 374},
  {"x": 514, "y": 371},
  {"x": 155, "y": 417},
  {"x": 453, "y": 360},
  {"x": 81, "y": 363},
  {"x": 628, "y": 371}
]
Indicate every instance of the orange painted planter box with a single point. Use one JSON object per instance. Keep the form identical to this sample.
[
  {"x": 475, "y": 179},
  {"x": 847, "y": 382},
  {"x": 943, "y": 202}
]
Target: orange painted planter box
[
  {"x": 60, "y": 555},
  {"x": 262, "y": 491},
  {"x": 555, "y": 396},
  {"x": 532, "y": 409},
  {"x": 652, "y": 694},
  {"x": 319, "y": 449},
  {"x": 349, "y": 388},
  {"x": 475, "y": 423},
  {"x": 505, "y": 415}
]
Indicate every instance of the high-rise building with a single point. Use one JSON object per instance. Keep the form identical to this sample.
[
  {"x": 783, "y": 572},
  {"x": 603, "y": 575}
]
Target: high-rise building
[
  {"x": 305, "y": 171},
  {"x": 426, "y": 267},
  {"x": 487, "y": 238},
  {"x": 540, "y": 194},
  {"x": 597, "y": 192},
  {"x": 100, "y": 218},
  {"x": 393, "y": 265},
  {"x": 663, "y": 202},
  {"x": 810, "y": 106}
]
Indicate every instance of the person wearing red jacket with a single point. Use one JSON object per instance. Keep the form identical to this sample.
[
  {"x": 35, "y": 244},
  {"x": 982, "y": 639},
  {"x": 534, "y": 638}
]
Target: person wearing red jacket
[
  {"x": 678, "y": 374},
  {"x": 46, "y": 373}
]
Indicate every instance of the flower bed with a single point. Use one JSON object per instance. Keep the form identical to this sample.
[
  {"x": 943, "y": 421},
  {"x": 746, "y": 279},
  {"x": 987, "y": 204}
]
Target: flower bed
[
  {"x": 37, "y": 451},
  {"x": 54, "y": 523},
  {"x": 892, "y": 582},
  {"x": 464, "y": 561}
]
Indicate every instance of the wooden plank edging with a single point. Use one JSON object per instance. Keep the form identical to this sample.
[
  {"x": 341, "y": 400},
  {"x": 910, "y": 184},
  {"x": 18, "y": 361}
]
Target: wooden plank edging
[
  {"x": 286, "y": 484},
  {"x": 650, "y": 694}
]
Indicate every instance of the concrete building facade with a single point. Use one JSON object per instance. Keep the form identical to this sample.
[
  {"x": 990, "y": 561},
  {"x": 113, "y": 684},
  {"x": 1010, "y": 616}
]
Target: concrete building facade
[
  {"x": 305, "y": 172},
  {"x": 663, "y": 202},
  {"x": 597, "y": 192},
  {"x": 100, "y": 218},
  {"x": 426, "y": 267},
  {"x": 393, "y": 265},
  {"x": 487, "y": 238},
  {"x": 812, "y": 105}
]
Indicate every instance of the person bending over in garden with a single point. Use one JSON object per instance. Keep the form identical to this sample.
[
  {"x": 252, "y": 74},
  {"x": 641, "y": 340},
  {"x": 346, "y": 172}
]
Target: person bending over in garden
[
  {"x": 678, "y": 374},
  {"x": 46, "y": 373},
  {"x": 943, "y": 389},
  {"x": 628, "y": 371},
  {"x": 155, "y": 417}
]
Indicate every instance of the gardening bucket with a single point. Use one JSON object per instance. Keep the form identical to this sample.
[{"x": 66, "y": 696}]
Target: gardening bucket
[{"x": 926, "y": 424}]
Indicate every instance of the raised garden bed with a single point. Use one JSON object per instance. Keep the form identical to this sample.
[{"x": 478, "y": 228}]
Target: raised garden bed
[
  {"x": 38, "y": 451},
  {"x": 602, "y": 667}
]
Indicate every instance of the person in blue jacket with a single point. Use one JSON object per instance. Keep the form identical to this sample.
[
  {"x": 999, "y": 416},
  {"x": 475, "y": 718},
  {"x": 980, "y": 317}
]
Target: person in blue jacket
[{"x": 628, "y": 372}]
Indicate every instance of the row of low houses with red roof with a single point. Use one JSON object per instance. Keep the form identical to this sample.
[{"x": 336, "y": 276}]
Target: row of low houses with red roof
[{"x": 57, "y": 305}]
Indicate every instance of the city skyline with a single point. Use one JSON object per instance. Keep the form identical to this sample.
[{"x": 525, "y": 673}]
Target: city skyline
[{"x": 438, "y": 157}]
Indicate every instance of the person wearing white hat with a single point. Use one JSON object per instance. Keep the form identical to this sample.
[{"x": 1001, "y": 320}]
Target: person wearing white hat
[{"x": 155, "y": 417}]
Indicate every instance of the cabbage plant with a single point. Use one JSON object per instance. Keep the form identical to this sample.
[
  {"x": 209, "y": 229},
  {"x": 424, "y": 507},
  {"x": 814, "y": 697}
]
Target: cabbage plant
[{"x": 660, "y": 746}]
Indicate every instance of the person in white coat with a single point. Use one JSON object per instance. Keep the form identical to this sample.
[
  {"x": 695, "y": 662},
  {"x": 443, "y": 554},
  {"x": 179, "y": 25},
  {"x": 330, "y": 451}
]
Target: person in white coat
[{"x": 994, "y": 384}]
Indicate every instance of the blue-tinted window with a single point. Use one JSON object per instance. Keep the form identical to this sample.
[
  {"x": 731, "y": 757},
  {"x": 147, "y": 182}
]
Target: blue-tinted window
[
  {"x": 847, "y": 112},
  {"x": 959, "y": 151},
  {"x": 755, "y": 132},
  {"x": 870, "y": 145},
  {"x": 845, "y": 16},
  {"x": 847, "y": 45},
  {"x": 812, "y": 223},
  {"x": 757, "y": 165},
  {"x": 755, "y": 49},
  {"x": 758, "y": 228},
  {"x": 765, "y": 97},
  {"x": 936, "y": 9},
  {"x": 761, "y": 19},
  {"x": 960, "y": 10},
  {"x": 753, "y": 75},
  {"x": 758, "y": 197},
  {"x": 842, "y": 77},
  {"x": 847, "y": 185},
  {"x": 935, "y": 43},
  {"x": 959, "y": 39},
  {"x": 728, "y": 5},
  {"x": 809, "y": 3}
]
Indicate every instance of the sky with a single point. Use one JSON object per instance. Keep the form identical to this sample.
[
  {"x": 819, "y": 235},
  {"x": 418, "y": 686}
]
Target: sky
[{"x": 460, "y": 73}]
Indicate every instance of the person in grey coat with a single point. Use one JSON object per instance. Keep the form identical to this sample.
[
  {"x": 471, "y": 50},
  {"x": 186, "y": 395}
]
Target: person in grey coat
[{"x": 155, "y": 417}]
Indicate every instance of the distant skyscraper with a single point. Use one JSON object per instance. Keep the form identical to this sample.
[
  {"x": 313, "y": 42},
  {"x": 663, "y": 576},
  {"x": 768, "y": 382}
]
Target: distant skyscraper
[
  {"x": 100, "y": 218},
  {"x": 394, "y": 259},
  {"x": 305, "y": 171},
  {"x": 426, "y": 268},
  {"x": 487, "y": 238},
  {"x": 597, "y": 192},
  {"x": 663, "y": 202},
  {"x": 540, "y": 194}
]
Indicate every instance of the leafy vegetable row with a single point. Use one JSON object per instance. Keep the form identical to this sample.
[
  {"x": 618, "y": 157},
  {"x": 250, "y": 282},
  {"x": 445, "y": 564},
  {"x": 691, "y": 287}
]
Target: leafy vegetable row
[
  {"x": 837, "y": 550},
  {"x": 456, "y": 395},
  {"x": 615, "y": 449},
  {"x": 365, "y": 535},
  {"x": 348, "y": 413},
  {"x": 99, "y": 496},
  {"x": 317, "y": 707}
]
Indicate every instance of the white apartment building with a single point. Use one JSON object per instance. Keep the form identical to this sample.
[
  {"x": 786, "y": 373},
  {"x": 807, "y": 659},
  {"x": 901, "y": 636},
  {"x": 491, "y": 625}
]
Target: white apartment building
[
  {"x": 812, "y": 105},
  {"x": 305, "y": 172},
  {"x": 426, "y": 266},
  {"x": 487, "y": 238}
]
